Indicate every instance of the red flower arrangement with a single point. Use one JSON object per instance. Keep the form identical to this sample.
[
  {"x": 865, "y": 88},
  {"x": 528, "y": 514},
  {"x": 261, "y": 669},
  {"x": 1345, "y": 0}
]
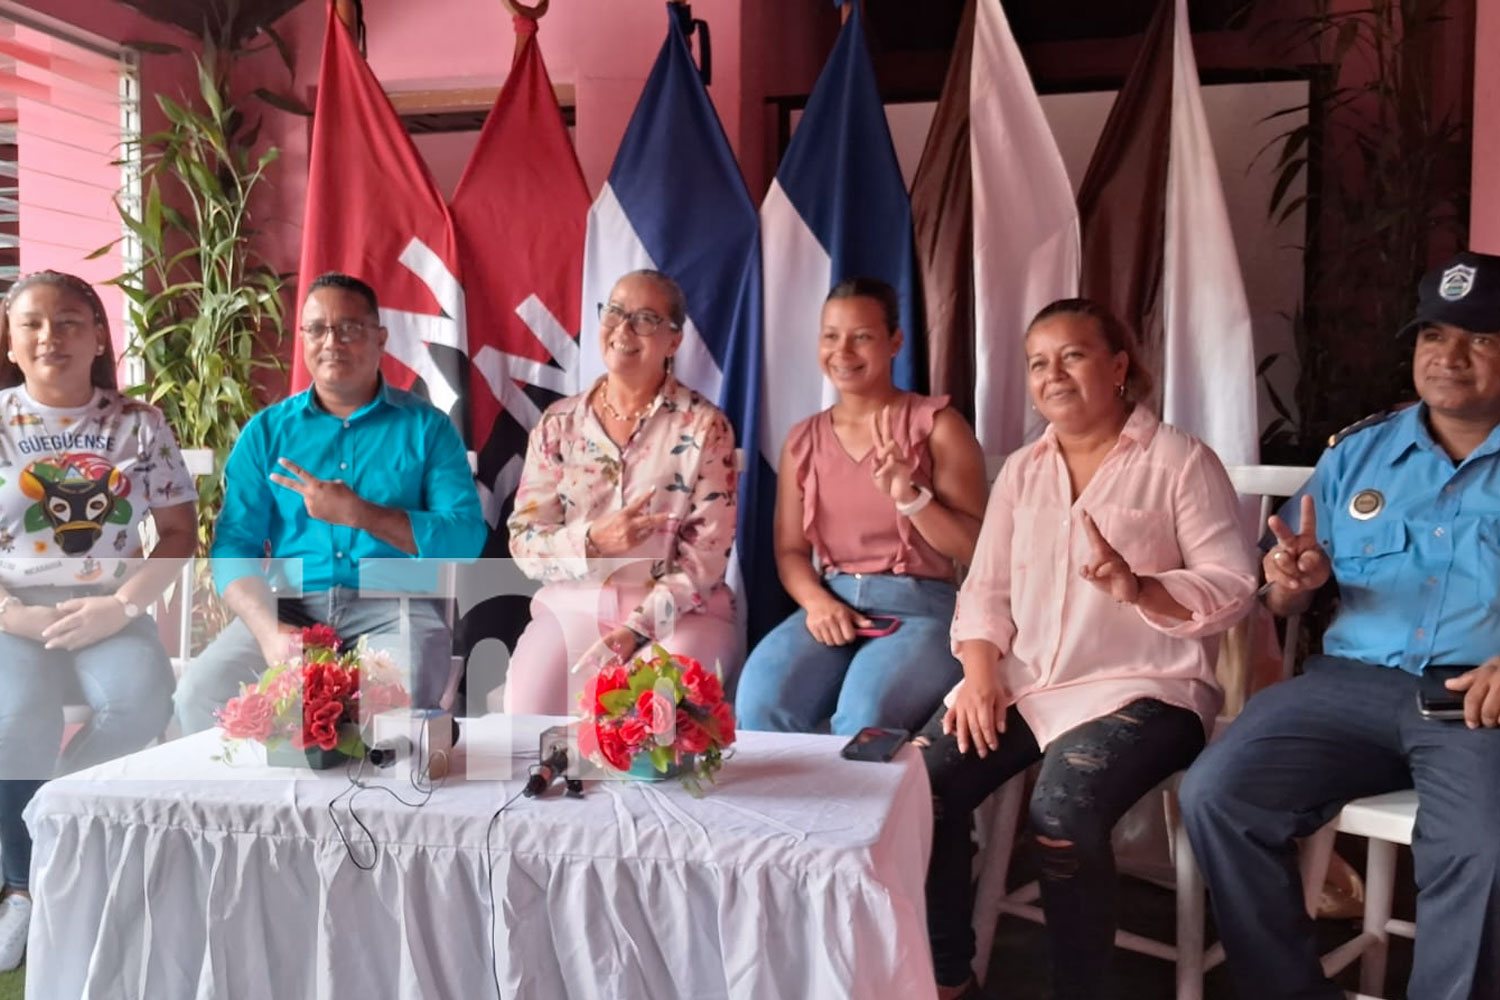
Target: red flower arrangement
[
  {"x": 310, "y": 700},
  {"x": 665, "y": 709}
]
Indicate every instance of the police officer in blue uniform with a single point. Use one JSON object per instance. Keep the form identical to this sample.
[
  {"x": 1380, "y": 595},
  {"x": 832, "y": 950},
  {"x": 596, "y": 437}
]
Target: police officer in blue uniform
[{"x": 1403, "y": 514}]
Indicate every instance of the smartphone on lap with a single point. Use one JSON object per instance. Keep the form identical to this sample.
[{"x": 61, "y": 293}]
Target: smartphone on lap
[
  {"x": 880, "y": 625},
  {"x": 1434, "y": 700}
]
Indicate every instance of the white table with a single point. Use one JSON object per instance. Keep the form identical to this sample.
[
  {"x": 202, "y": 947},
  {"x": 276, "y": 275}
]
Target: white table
[{"x": 167, "y": 875}]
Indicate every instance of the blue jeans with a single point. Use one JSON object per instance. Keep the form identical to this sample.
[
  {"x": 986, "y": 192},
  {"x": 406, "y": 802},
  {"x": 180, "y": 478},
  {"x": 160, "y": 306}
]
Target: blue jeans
[
  {"x": 126, "y": 679},
  {"x": 422, "y": 643},
  {"x": 792, "y": 682},
  {"x": 1285, "y": 767}
]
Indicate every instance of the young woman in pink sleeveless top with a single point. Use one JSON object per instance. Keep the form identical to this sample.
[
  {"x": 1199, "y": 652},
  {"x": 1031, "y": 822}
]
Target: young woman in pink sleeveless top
[{"x": 879, "y": 499}]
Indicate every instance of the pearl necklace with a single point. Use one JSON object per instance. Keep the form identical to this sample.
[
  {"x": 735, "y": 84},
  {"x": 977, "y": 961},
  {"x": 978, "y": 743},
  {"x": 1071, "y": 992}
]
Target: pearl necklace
[{"x": 637, "y": 416}]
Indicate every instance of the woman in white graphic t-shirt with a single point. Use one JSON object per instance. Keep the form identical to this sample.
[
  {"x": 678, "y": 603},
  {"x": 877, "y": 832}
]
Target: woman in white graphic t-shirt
[{"x": 81, "y": 466}]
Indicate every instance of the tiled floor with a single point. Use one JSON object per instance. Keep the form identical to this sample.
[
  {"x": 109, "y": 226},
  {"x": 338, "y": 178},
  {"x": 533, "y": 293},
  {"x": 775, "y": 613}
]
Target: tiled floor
[{"x": 1018, "y": 964}]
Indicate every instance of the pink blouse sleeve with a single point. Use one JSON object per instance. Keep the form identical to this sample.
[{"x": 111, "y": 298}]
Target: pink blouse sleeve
[
  {"x": 545, "y": 545},
  {"x": 705, "y": 537},
  {"x": 983, "y": 610},
  {"x": 1217, "y": 579}
]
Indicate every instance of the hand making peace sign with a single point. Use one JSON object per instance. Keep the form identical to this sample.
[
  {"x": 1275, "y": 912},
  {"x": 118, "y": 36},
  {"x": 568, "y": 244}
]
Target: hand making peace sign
[
  {"x": 894, "y": 466},
  {"x": 328, "y": 500},
  {"x": 1297, "y": 562},
  {"x": 1108, "y": 570}
]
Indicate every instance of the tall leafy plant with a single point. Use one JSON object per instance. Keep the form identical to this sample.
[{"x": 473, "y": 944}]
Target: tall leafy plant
[
  {"x": 206, "y": 305},
  {"x": 1387, "y": 187}
]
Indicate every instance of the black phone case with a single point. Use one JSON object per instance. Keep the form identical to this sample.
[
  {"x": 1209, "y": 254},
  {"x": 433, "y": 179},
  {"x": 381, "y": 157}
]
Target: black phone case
[
  {"x": 874, "y": 744},
  {"x": 1434, "y": 700}
]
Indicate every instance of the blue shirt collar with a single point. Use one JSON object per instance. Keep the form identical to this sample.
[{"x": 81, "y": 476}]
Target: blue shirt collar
[
  {"x": 385, "y": 394},
  {"x": 1410, "y": 432}
]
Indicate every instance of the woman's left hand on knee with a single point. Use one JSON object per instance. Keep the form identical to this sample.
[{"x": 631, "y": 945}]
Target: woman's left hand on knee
[{"x": 85, "y": 621}]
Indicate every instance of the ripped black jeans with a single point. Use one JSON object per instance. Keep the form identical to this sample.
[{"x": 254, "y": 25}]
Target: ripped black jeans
[{"x": 1090, "y": 776}]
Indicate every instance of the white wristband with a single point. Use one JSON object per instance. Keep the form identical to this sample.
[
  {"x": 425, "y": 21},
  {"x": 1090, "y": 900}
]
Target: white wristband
[{"x": 924, "y": 497}]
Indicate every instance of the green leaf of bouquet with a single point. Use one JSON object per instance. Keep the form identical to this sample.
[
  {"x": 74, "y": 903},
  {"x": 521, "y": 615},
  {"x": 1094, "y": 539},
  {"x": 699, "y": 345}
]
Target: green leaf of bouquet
[
  {"x": 643, "y": 679},
  {"x": 617, "y": 702},
  {"x": 350, "y": 743},
  {"x": 661, "y": 758}
]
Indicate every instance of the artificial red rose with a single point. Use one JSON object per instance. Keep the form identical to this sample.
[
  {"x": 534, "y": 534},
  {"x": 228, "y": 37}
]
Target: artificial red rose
[
  {"x": 321, "y": 637},
  {"x": 327, "y": 682},
  {"x": 635, "y": 733},
  {"x": 702, "y": 687},
  {"x": 320, "y": 723},
  {"x": 656, "y": 711},
  {"x": 248, "y": 717},
  {"x": 612, "y": 747},
  {"x": 610, "y": 678},
  {"x": 722, "y": 718},
  {"x": 691, "y": 737}
]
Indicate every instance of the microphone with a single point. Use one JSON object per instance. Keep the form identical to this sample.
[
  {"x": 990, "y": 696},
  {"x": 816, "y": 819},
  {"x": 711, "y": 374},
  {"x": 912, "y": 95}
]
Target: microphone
[
  {"x": 387, "y": 753},
  {"x": 543, "y": 775}
]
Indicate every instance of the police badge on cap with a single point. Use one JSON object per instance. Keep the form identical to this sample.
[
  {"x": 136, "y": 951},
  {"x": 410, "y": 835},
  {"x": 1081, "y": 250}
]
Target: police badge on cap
[
  {"x": 1464, "y": 292},
  {"x": 1457, "y": 282}
]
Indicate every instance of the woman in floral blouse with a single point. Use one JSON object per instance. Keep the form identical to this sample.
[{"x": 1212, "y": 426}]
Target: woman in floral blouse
[{"x": 625, "y": 510}]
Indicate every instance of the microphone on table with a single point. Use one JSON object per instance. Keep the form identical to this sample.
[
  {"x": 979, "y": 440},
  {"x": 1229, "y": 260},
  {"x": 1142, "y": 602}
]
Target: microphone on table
[{"x": 545, "y": 774}]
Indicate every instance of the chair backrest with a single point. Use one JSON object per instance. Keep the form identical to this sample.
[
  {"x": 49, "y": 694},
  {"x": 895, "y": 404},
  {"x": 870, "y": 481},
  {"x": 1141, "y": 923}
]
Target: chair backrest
[{"x": 1268, "y": 484}]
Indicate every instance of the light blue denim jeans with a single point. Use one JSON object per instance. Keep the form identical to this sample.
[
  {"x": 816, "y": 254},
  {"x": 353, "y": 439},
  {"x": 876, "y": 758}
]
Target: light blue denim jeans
[
  {"x": 126, "y": 679},
  {"x": 792, "y": 682}
]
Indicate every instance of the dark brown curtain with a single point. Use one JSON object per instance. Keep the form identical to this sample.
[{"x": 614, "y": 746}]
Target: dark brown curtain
[
  {"x": 1122, "y": 202},
  {"x": 942, "y": 208}
]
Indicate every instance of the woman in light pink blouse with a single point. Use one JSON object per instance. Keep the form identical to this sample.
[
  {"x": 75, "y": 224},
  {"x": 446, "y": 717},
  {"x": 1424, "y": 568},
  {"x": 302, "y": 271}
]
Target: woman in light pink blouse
[
  {"x": 1111, "y": 549},
  {"x": 626, "y": 511}
]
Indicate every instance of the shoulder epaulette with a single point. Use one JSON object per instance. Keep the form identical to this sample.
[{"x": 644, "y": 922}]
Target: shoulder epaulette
[{"x": 1370, "y": 421}]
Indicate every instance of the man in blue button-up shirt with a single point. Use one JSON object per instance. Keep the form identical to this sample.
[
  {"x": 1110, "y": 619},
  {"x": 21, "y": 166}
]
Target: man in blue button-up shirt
[
  {"x": 1403, "y": 514},
  {"x": 349, "y": 470}
]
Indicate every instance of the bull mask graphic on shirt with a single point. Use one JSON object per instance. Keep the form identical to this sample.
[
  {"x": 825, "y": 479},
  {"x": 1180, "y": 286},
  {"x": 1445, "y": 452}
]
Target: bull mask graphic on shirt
[{"x": 77, "y": 495}]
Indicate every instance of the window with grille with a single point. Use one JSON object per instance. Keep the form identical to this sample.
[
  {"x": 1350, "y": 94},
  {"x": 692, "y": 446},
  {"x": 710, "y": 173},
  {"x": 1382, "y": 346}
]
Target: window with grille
[{"x": 68, "y": 107}]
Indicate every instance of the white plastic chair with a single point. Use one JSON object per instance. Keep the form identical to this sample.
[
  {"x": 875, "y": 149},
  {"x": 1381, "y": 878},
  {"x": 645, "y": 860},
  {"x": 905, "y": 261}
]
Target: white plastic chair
[{"x": 996, "y": 818}]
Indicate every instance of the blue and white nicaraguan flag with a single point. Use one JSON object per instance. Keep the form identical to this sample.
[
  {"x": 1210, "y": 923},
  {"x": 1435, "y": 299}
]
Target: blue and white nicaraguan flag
[
  {"x": 837, "y": 209},
  {"x": 676, "y": 201}
]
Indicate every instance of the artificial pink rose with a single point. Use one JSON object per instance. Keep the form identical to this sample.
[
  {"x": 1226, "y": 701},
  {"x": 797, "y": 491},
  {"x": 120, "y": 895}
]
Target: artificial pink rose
[
  {"x": 248, "y": 717},
  {"x": 722, "y": 718},
  {"x": 378, "y": 698},
  {"x": 702, "y": 687},
  {"x": 656, "y": 711},
  {"x": 635, "y": 733},
  {"x": 612, "y": 747},
  {"x": 588, "y": 741}
]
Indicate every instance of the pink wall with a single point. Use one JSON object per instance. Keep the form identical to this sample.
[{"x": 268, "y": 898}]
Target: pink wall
[
  {"x": 602, "y": 47},
  {"x": 1485, "y": 212},
  {"x": 67, "y": 112}
]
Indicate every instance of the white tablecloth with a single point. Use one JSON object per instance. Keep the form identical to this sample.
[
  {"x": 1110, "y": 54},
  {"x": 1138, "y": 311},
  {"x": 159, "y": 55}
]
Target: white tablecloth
[{"x": 168, "y": 875}]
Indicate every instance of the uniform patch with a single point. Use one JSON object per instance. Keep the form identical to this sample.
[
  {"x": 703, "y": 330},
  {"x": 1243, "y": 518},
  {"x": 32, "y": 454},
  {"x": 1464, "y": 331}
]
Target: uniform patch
[
  {"x": 1457, "y": 282},
  {"x": 1366, "y": 504}
]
